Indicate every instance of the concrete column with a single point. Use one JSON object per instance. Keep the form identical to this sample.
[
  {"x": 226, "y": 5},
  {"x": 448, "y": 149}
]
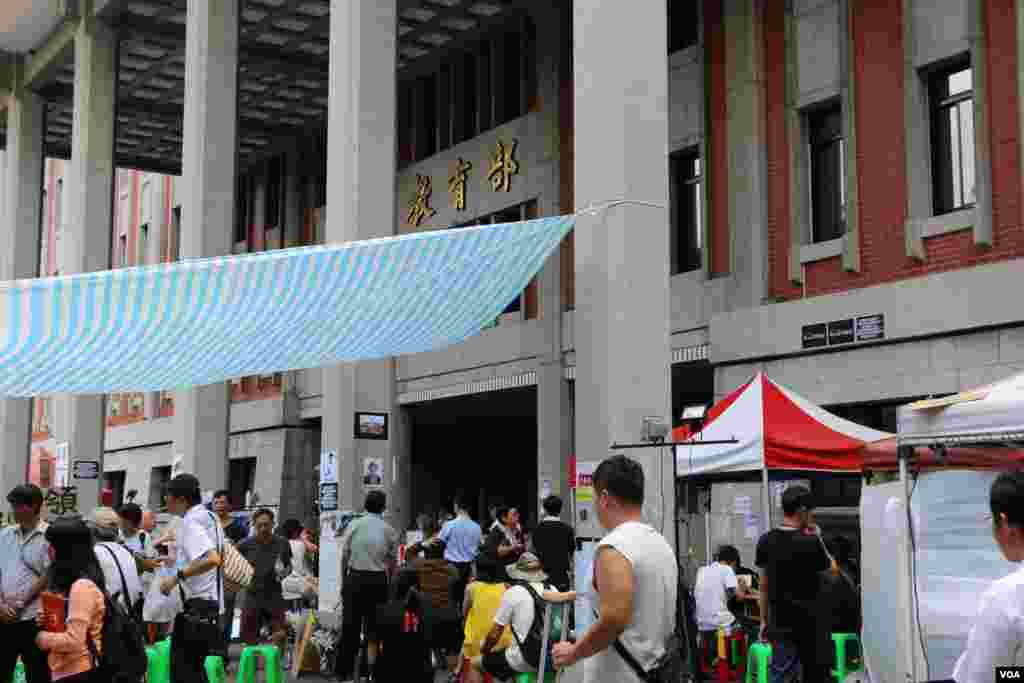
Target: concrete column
[
  {"x": 19, "y": 254},
  {"x": 748, "y": 204},
  {"x": 622, "y": 253},
  {"x": 983, "y": 231},
  {"x": 361, "y": 195},
  {"x": 554, "y": 422},
  {"x": 86, "y": 244},
  {"x": 202, "y": 414}
]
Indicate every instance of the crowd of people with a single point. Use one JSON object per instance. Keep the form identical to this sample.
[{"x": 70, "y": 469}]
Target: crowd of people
[
  {"x": 170, "y": 582},
  {"x": 474, "y": 598}
]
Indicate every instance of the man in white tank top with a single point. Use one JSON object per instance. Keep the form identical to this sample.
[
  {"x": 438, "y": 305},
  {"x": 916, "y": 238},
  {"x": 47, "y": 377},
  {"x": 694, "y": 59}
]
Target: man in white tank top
[{"x": 635, "y": 577}]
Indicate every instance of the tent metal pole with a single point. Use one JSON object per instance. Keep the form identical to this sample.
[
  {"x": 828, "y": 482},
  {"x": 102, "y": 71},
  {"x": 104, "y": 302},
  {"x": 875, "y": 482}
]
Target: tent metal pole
[
  {"x": 766, "y": 497},
  {"x": 911, "y": 663}
]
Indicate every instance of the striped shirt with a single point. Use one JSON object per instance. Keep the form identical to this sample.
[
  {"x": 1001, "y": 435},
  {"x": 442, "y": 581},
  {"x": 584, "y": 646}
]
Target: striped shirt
[{"x": 24, "y": 557}]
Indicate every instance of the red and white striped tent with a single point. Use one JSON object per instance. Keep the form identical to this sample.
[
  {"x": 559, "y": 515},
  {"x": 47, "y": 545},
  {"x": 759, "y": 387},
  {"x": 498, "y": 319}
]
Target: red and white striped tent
[{"x": 776, "y": 429}]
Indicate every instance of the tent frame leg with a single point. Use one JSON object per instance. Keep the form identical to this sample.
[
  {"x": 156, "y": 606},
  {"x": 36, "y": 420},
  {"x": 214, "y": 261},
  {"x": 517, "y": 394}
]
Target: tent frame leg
[{"x": 903, "y": 456}]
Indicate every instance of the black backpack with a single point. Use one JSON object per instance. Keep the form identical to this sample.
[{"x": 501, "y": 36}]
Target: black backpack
[
  {"x": 680, "y": 660},
  {"x": 530, "y": 646},
  {"x": 123, "y": 659}
]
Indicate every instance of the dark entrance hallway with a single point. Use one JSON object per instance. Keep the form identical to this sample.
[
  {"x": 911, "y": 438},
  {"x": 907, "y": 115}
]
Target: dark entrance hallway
[{"x": 483, "y": 446}]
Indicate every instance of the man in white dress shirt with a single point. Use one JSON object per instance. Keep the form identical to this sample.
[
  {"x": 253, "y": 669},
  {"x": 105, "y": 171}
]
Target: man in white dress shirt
[{"x": 997, "y": 633}]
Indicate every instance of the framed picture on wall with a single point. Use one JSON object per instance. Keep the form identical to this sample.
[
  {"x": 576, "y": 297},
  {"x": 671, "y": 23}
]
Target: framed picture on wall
[{"x": 371, "y": 426}]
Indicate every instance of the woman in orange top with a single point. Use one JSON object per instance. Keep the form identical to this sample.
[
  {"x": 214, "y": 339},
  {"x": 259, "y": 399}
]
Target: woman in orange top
[{"x": 76, "y": 574}]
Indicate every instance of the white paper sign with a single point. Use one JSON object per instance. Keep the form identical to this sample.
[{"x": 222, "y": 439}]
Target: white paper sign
[
  {"x": 742, "y": 505},
  {"x": 177, "y": 465},
  {"x": 545, "y": 489},
  {"x": 62, "y": 466},
  {"x": 328, "y": 467},
  {"x": 752, "y": 526}
]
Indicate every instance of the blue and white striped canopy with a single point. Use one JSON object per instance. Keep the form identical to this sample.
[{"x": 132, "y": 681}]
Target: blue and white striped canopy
[{"x": 204, "y": 321}]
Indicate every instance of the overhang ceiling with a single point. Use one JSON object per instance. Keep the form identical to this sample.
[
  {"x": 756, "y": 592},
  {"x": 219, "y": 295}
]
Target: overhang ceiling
[{"x": 283, "y": 70}]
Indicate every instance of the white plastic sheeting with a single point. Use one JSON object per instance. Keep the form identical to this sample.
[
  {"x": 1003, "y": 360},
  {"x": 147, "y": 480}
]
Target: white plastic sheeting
[{"x": 956, "y": 560}]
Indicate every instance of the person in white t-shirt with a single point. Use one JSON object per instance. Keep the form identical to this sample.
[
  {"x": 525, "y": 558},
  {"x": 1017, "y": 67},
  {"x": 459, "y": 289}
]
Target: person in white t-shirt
[
  {"x": 516, "y": 612},
  {"x": 996, "y": 637},
  {"x": 116, "y": 561},
  {"x": 636, "y": 578},
  {"x": 716, "y": 585}
]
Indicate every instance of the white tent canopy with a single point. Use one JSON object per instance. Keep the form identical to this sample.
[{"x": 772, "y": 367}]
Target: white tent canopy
[{"x": 991, "y": 414}]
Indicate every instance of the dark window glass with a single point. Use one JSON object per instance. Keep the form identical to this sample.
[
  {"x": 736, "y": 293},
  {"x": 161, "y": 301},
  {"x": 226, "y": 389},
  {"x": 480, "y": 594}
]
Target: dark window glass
[
  {"x": 687, "y": 216},
  {"x": 683, "y": 24},
  {"x": 242, "y": 210},
  {"x": 426, "y": 134},
  {"x": 485, "y": 94},
  {"x": 512, "y": 78},
  {"x": 470, "y": 99},
  {"x": 274, "y": 185},
  {"x": 405, "y": 125},
  {"x": 529, "y": 64},
  {"x": 952, "y": 113},
  {"x": 444, "y": 108},
  {"x": 828, "y": 180}
]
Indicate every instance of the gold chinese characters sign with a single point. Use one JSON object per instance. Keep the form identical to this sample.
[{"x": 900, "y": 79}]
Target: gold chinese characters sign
[
  {"x": 502, "y": 167},
  {"x": 457, "y": 184},
  {"x": 420, "y": 208}
]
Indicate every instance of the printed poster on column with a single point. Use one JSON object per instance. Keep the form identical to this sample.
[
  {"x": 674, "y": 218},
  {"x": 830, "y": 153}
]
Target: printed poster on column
[{"x": 585, "y": 482}]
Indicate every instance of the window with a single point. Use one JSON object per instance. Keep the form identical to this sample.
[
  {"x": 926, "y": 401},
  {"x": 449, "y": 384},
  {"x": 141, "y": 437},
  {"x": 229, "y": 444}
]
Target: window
[
  {"x": 115, "y": 482},
  {"x": 274, "y": 186},
  {"x": 158, "y": 479},
  {"x": 828, "y": 178},
  {"x": 174, "y": 239},
  {"x": 122, "y": 250},
  {"x": 143, "y": 242},
  {"x": 683, "y": 24},
  {"x": 493, "y": 82},
  {"x": 952, "y": 113},
  {"x": 687, "y": 211},
  {"x": 241, "y": 480}
]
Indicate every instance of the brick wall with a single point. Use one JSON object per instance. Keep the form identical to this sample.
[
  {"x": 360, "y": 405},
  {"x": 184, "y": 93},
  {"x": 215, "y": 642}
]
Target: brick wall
[
  {"x": 878, "y": 69},
  {"x": 777, "y": 151},
  {"x": 718, "y": 165}
]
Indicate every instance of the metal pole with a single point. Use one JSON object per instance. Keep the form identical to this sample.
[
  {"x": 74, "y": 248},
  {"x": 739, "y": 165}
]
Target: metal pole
[
  {"x": 767, "y": 499},
  {"x": 675, "y": 498},
  {"x": 908, "y": 566}
]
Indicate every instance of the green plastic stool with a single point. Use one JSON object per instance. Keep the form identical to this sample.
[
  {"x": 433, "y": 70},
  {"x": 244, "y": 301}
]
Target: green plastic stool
[
  {"x": 215, "y": 670},
  {"x": 758, "y": 654},
  {"x": 247, "y": 665},
  {"x": 531, "y": 677},
  {"x": 159, "y": 658},
  {"x": 19, "y": 673},
  {"x": 841, "y": 640}
]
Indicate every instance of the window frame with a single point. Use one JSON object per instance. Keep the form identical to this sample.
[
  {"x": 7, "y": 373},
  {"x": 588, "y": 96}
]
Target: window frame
[
  {"x": 686, "y": 170},
  {"x": 816, "y": 121},
  {"x": 939, "y": 106}
]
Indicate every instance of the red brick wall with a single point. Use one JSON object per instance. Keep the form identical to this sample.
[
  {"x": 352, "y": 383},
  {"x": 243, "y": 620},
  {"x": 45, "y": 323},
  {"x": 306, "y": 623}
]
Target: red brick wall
[
  {"x": 878, "y": 71},
  {"x": 718, "y": 166},
  {"x": 777, "y": 150}
]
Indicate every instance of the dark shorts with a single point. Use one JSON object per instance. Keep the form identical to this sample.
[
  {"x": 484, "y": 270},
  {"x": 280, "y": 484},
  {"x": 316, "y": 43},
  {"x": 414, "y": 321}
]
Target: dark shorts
[
  {"x": 254, "y": 617},
  {"x": 496, "y": 664},
  {"x": 448, "y": 634}
]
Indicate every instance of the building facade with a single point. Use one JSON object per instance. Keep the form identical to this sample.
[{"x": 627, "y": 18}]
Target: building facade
[{"x": 839, "y": 184}]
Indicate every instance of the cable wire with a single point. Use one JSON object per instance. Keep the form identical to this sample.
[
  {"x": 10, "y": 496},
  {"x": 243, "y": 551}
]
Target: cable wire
[{"x": 913, "y": 576}]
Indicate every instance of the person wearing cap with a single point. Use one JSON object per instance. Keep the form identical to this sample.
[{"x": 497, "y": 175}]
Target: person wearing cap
[
  {"x": 199, "y": 541},
  {"x": 119, "y": 567},
  {"x": 790, "y": 559},
  {"x": 515, "y": 612},
  {"x": 24, "y": 565}
]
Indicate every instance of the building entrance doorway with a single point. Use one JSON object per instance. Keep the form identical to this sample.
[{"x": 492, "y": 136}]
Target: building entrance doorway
[{"x": 483, "y": 447}]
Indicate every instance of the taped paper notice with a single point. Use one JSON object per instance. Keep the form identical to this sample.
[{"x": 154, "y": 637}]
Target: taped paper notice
[
  {"x": 742, "y": 505},
  {"x": 752, "y": 526}
]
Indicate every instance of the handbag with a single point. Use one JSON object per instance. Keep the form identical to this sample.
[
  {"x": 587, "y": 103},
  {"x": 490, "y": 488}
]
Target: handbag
[{"x": 238, "y": 573}]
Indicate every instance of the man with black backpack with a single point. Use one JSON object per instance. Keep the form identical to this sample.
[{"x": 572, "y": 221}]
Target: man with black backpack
[
  {"x": 636, "y": 578},
  {"x": 522, "y": 611}
]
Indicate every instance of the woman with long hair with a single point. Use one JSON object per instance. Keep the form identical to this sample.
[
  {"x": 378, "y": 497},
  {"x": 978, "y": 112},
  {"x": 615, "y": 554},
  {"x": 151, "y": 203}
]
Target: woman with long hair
[{"x": 76, "y": 574}]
